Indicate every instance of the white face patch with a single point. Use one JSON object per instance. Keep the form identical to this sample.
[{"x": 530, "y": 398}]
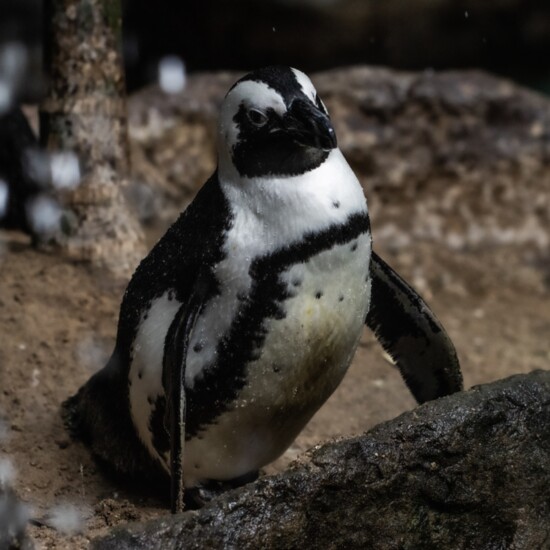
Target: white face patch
[
  {"x": 274, "y": 212},
  {"x": 305, "y": 83},
  {"x": 250, "y": 94}
]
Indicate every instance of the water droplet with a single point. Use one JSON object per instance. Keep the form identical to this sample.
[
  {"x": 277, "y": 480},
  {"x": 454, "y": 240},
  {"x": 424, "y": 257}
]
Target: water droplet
[
  {"x": 35, "y": 381},
  {"x": 44, "y": 214},
  {"x": 65, "y": 170},
  {"x": 13, "y": 61},
  {"x": 7, "y": 472},
  {"x": 91, "y": 354},
  {"x": 66, "y": 519},
  {"x": 36, "y": 164},
  {"x": 6, "y": 96},
  {"x": 172, "y": 76},
  {"x": 4, "y": 194}
]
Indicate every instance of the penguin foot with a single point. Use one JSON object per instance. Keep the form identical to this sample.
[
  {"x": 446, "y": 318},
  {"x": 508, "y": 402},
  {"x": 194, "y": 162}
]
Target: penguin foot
[{"x": 197, "y": 497}]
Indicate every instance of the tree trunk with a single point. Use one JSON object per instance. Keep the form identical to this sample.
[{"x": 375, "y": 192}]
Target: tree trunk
[{"x": 85, "y": 112}]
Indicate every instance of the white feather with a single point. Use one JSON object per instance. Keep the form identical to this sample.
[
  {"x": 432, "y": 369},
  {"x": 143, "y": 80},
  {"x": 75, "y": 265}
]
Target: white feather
[
  {"x": 147, "y": 361},
  {"x": 305, "y": 84}
]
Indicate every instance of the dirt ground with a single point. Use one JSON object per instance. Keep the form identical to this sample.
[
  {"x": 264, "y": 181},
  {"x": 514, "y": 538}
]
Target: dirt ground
[{"x": 58, "y": 322}]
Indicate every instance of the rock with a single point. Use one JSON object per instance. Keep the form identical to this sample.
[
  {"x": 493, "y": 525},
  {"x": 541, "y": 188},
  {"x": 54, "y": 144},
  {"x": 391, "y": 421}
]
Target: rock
[
  {"x": 471, "y": 470},
  {"x": 13, "y": 522},
  {"x": 459, "y": 158}
]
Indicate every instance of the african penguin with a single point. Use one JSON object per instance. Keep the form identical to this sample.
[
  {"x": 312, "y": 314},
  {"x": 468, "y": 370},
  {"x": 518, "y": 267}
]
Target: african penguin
[{"x": 245, "y": 316}]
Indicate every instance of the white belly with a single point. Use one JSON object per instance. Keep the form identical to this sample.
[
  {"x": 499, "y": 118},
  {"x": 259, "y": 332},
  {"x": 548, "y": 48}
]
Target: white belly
[{"x": 304, "y": 357}]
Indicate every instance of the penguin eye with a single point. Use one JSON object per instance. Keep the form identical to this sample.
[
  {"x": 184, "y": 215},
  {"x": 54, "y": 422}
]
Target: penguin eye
[{"x": 256, "y": 117}]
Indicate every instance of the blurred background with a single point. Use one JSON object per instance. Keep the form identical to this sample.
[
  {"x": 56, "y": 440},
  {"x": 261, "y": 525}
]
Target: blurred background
[
  {"x": 440, "y": 106},
  {"x": 507, "y": 37}
]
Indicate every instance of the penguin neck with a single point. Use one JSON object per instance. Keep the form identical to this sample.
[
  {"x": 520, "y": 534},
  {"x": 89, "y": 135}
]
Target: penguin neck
[{"x": 283, "y": 209}]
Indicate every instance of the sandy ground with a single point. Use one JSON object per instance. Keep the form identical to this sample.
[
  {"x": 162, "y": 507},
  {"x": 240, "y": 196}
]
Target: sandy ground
[{"x": 57, "y": 325}]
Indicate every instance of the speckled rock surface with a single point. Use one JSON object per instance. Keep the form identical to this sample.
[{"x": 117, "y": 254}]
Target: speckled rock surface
[
  {"x": 468, "y": 471},
  {"x": 465, "y": 153}
]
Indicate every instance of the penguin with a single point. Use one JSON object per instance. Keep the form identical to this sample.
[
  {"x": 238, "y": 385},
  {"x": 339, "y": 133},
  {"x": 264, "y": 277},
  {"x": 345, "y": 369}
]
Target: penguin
[{"x": 245, "y": 316}]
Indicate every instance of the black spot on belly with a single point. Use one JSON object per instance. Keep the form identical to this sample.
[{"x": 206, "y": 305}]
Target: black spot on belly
[
  {"x": 336, "y": 204},
  {"x": 340, "y": 298},
  {"x": 276, "y": 368},
  {"x": 198, "y": 347},
  {"x": 354, "y": 247},
  {"x": 280, "y": 314},
  {"x": 318, "y": 295},
  {"x": 296, "y": 282},
  {"x": 140, "y": 374},
  {"x": 256, "y": 354}
]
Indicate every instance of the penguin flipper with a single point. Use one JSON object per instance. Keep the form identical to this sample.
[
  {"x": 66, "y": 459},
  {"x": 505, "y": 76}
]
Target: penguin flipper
[
  {"x": 412, "y": 335},
  {"x": 176, "y": 346}
]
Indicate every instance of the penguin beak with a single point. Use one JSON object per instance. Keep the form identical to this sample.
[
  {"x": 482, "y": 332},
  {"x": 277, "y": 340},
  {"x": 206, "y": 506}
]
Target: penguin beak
[{"x": 308, "y": 126}]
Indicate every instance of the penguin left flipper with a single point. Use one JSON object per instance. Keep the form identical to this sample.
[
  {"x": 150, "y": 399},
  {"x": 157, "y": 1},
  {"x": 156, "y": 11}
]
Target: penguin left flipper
[
  {"x": 411, "y": 334},
  {"x": 176, "y": 346}
]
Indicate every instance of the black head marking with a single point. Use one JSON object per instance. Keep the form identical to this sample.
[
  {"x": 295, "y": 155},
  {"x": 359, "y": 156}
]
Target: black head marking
[
  {"x": 289, "y": 143},
  {"x": 278, "y": 77}
]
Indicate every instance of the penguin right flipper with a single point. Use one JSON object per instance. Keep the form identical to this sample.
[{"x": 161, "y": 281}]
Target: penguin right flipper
[
  {"x": 176, "y": 346},
  {"x": 412, "y": 335}
]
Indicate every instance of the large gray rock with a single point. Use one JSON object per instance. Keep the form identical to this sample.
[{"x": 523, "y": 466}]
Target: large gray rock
[
  {"x": 458, "y": 157},
  {"x": 470, "y": 471}
]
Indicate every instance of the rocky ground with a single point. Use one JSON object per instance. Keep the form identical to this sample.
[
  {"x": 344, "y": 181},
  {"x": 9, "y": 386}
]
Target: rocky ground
[{"x": 58, "y": 318}]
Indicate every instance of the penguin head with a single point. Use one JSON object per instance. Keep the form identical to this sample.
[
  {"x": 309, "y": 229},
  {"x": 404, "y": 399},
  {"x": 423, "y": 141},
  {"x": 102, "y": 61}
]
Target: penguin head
[{"x": 272, "y": 123}]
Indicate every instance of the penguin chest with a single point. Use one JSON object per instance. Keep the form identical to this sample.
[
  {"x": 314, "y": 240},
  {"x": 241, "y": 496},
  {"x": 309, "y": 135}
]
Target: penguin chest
[
  {"x": 309, "y": 346},
  {"x": 306, "y": 345}
]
